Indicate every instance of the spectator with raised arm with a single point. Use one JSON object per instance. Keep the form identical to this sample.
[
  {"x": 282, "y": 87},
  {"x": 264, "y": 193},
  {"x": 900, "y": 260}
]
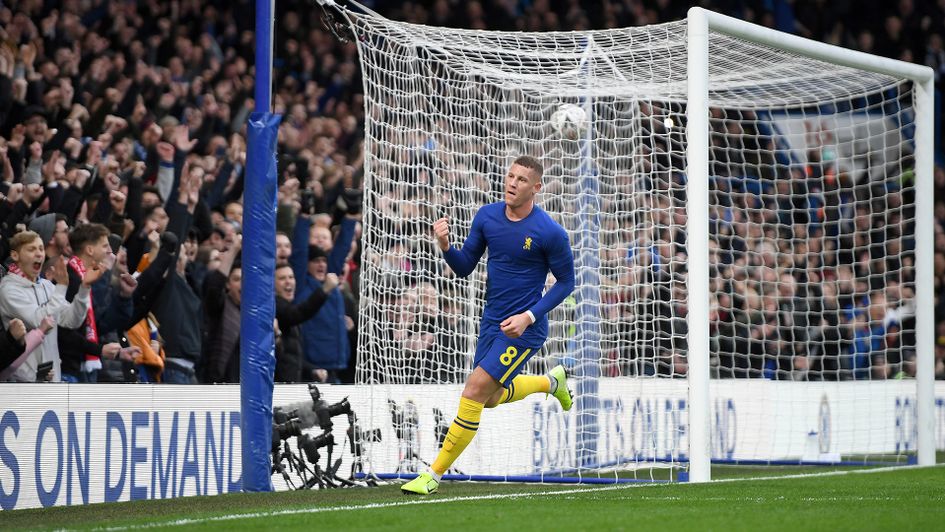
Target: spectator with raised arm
[
  {"x": 222, "y": 297},
  {"x": 291, "y": 365},
  {"x": 24, "y": 295},
  {"x": 178, "y": 308},
  {"x": 83, "y": 348},
  {"x": 324, "y": 336}
]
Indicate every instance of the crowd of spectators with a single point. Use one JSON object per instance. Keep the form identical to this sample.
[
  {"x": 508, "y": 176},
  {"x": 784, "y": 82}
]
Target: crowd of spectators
[
  {"x": 122, "y": 155},
  {"x": 122, "y": 159},
  {"x": 811, "y": 270}
]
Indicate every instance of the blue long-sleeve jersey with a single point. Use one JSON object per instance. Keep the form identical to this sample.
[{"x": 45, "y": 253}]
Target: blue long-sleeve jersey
[{"x": 520, "y": 255}]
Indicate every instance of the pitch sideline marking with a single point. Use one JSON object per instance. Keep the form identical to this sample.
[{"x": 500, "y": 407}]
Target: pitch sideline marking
[
  {"x": 832, "y": 473},
  {"x": 521, "y": 495}
]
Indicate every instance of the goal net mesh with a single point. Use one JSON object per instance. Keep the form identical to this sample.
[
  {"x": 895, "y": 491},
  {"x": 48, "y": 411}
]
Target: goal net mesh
[{"x": 810, "y": 244}]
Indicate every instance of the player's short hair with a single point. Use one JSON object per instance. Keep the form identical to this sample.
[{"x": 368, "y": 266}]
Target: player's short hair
[
  {"x": 23, "y": 238},
  {"x": 530, "y": 162}
]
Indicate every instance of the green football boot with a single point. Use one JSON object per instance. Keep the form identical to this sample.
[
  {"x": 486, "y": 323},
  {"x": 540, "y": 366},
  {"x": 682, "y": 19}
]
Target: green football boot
[
  {"x": 424, "y": 484},
  {"x": 562, "y": 393}
]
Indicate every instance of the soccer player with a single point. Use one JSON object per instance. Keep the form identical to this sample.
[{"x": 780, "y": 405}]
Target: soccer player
[{"x": 524, "y": 244}]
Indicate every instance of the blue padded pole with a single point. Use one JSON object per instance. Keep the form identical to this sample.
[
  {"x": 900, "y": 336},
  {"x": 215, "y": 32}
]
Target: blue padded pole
[
  {"x": 265, "y": 16},
  {"x": 258, "y": 307}
]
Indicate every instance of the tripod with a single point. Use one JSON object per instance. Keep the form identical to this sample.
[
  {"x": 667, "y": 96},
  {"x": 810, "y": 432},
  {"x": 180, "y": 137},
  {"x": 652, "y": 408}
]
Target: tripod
[{"x": 278, "y": 453}]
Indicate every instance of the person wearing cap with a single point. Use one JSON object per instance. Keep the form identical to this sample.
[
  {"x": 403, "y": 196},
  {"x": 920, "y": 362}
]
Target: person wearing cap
[
  {"x": 35, "y": 120},
  {"x": 325, "y": 336},
  {"x": 219, "y": 237},
  {"x": 44, "y": 226},
  {"x": 53, "y": 228}
]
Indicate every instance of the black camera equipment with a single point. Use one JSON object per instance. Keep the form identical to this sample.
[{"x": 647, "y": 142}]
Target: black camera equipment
[
  {"x": 311, "y": 445},
  {"x": 323, "y": 478},
  {"x": 293, "y": 421},
  {"x": 406, "y": 422},
  {"x": 285, "y": 425},
  {"x": 357, "y": 437},
  {"x": 324, "y": 411}
]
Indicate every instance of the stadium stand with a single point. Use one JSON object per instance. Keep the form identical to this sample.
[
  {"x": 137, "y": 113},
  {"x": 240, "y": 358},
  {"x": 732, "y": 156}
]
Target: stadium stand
[{"x": 132, "y": 115}]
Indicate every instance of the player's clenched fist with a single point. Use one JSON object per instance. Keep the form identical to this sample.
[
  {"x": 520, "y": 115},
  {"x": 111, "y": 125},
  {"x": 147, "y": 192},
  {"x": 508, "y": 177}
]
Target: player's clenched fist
[
  {"x": 514, "y": 326},
  {"x": 441, "y": 228}
]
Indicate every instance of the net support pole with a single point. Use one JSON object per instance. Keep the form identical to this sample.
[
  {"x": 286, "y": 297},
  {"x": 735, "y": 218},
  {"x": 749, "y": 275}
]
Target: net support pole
[
  {"x": 587, "y": 296},
  {"x": 697, "y": 244},
  {"x": 257, "y": 310},
  {"x": 925, "y": 298}
]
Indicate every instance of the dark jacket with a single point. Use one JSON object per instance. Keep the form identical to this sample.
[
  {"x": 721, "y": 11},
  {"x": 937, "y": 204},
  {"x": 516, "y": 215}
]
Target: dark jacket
[
  {"x": 220, "y": 364},
  {"x": 178, "y": 310},
  {"x": 178, "y": 307},
  {"x": 150, "y": 283},
  {"x": 10, "y": 349},
  {"x": 291, "y": 365},
  {"x": 112, "y": 313}
]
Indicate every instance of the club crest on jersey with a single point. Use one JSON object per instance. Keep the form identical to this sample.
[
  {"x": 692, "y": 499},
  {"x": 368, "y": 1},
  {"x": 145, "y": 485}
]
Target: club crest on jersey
[{"x": 528, "y": 243}]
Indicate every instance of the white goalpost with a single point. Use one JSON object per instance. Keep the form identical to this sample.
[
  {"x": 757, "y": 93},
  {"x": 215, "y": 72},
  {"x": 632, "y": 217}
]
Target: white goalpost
[
  {"x": 701, "y": 26},
  {"x": 750, "y": 214}
]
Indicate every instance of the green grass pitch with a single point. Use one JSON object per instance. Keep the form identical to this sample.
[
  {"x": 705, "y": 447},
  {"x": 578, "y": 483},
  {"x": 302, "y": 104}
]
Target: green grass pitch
[{"x": 899, "y": 499}]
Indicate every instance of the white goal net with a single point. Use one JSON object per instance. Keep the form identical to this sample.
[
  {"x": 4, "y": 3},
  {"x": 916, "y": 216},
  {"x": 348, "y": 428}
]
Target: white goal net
[{"x": 812, "y": 274}]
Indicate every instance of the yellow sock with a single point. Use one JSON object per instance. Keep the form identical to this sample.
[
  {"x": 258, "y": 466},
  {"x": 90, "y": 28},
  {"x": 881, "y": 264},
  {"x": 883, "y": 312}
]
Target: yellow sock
[
  {"x": 462, "y": 431},
  {"x": 524, "y": 385}
]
